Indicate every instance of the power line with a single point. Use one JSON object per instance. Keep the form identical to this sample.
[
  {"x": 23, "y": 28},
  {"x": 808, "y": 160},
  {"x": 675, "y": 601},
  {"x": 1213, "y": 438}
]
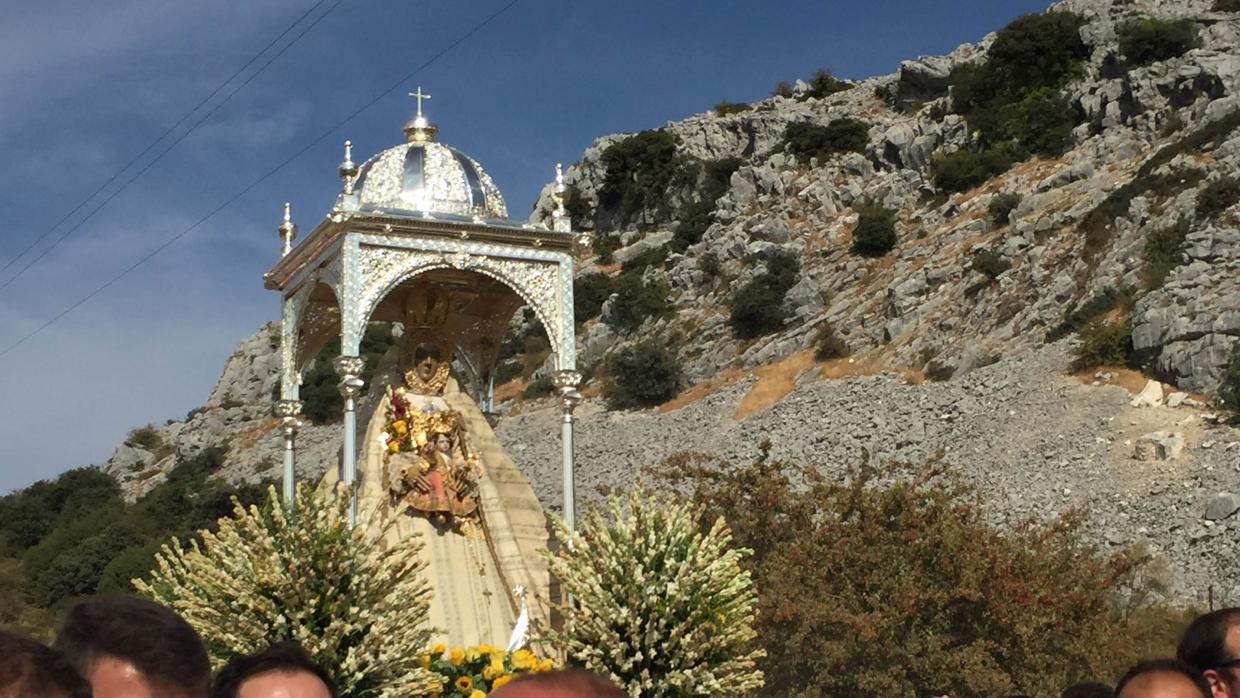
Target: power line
[
  {"x": 245, "y": 190},
  {"x": 172, "y": 145},
  {"x": 161, "y": 137}
]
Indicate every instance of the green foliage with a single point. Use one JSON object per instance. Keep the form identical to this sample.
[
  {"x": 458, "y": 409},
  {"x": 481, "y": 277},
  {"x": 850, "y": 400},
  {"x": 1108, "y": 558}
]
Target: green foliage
[
  {"x": 590, "y": 291},
  {"x": 709, "y": 265},
  {"x": 757, "y": 308},
  {"x": 146, "y": 438},
  {"x": 1110, "y": 299},
  {"x": 642, "y": 375},
  {"x": 875, "y": 234},
  {"x": 1164, "y": 251},
  {"x": 27, "y": 516},
  {"x": 783, "y": 89},
  {"x": 1039, "y": 123},
  {"x": 1097, "y": 223},
  {"x": 990, "y": 263},
  {"x": 654, "y": 257},
  {"x": 805, "y": 139},
  {"x": 892, "y": 581},
  {"x": 662, "y": 608},
  {"x": 965, "y": 169},
  {"x": 824, "y": 84},
  {"x": 580, "y": 212},
  {"x": 354, "y": 599},
  {"x": 1001, "y": 207},
  {"x": 1173, "y": 123},
  {"x": 641, "y": 170},
  {"x": 726, "y": 108},
  {"x": 1229, "y": 388},
  {"x": 320, "y": 391},
  {"x": 604, "y": 246},
  {"x": 637, "y": 300},
  {"x": 1218, "y": 196},
  {"x": 539, "y": 387},
  {"x": 1226, "y": 6},
  {"x": 696, "y": 216},
  {"x": 1146, "y": 41},
  {"x": 1103, "y": 342},
  {"x": 828, "y": 345}
]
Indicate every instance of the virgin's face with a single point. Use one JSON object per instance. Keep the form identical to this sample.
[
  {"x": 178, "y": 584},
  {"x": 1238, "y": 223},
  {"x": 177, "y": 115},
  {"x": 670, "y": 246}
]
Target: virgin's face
[
  {"x": 426, "y": 368},
  {"x": 443, "y": 444}
]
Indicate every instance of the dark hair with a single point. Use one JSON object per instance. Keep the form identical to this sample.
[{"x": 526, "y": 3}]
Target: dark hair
[
  {"x": 1165, "y": 666},
  {"x": 1087, "y": 689},
  {"x": 575, "y": 682},
  {"x": 152, "y": 637},
  {"x": 284, "y": 657},
  {"x": 30, "y": 668},
  {"x": 425, "y": 350},
  {"x": 1204, "y": 645}
]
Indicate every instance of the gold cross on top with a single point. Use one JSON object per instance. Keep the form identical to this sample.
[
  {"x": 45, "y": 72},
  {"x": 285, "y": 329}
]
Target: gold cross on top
[{"x": 419, "y": 97}]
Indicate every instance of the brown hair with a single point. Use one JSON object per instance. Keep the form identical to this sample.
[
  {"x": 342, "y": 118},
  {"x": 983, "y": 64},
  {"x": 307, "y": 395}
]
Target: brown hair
[{"x": 30, "y": 668}]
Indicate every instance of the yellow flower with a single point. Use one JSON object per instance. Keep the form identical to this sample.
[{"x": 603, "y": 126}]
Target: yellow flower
[
  {"x": 439, "y": 649},
  {"x": 523, "y": 659},
  {"x": 464, "y": 683},
  {"x": 501, "y": 681},
  {"x": 544, "y": 665},
  {"x": 497, "y": 665},
  {"x": 400, "y": 427},
  {"x": 477, "y": 694},
  {"x": 425, "y": 661},
  {"x": 457, "y": 656},
  {"x": 393, "y": 446}
]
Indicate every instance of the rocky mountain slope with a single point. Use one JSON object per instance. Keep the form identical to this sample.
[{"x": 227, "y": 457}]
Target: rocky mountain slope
[{"x": 965, "y": 296}]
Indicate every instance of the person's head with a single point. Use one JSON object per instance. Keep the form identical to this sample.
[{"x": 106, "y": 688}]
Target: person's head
[
  {"x": 129, "y": 647},
  {"x": 30, "y": 668},
  {"x": 1211, "y": 646},
  {"x": 283, "y": 670},
  {"x": 565, "y": 683},
  {"x": 1087, "y": 689},
  {"x": 442, "y": 442},
  {"x": 426, "y": 360},
  {"x": 1162, "y": 678}
]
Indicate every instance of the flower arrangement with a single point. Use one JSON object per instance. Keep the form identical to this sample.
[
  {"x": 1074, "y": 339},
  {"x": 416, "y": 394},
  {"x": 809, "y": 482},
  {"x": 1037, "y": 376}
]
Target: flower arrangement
[
  {"x": 476, "y": 671},
  {"x": 356, "y": 602},
  {"x": 661, "y": 608},
  {"x": 407, "y": 429}
]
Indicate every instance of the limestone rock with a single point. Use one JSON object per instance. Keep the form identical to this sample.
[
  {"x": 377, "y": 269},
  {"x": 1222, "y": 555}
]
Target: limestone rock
[
  {"x": 1150, "y": 396},
  {"x": 1159, "y": 445},
  {"x": 1222, "y": 506}
]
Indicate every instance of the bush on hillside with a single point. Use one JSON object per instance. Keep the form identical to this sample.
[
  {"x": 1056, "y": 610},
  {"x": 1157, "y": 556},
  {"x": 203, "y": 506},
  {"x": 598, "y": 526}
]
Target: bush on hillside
[
  {"x": 1146, "y": 41},
  {"x": 805, "y": 139},
  {"x": 824, "y": 84},
  {"x": 654, "y": 257},
  {"x": 695, "y": 217},
  {"x": 640, "y": 171},
  {"x": 783, "y": 89},
  {"x": 539, "y": 387},
  {"x": 966, "y": 169},
  {"x": 642, "y": 375},
  {"x": 1103, "y": 342},
  {"x": 757, "y": 308},
  {"x": 1031, "y": 52},
  {"x": 1226, "y": 6},
  {"x": 892, "y": 581},
  {"x": 1164, "y": 251},
  {"x": 637, "y": 300},
  {"x": 28, "y": 516},
  {"x": 320, "y": 384},
  {"x": 590, "y": 291},
  {"x": 580, "y": 212},
  {"x": 1217, "y": 196},
  {"x": 828, "y": 345},
  {"x": 604, "y": 245},
  {"x": 875, "y": 234},
  {"x": 726, "y": 108},
  {"x": 1077, "y": 317},
  {"x": 990, "y": 263},
  {"x": 1001, "y": 207},
  {"x": 1229, "y": 388}
]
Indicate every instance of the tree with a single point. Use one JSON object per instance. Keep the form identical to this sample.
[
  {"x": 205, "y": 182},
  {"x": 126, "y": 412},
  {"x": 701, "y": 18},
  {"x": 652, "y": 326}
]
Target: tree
[
  {"x": 662, "y": 608},
  {"x": 890, "y": 580},
  {"x": 356, "y": 602},
  {"x": 642, "y": 375},
  {"x": 875, "y": 234},
  {"x": 1146, "y": 41}
]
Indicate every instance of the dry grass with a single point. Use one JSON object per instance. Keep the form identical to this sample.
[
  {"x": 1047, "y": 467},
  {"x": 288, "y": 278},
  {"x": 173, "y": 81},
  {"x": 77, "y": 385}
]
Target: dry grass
[
  {"x": 702, "y": 390},
  {"x": 249, "y": 437}
]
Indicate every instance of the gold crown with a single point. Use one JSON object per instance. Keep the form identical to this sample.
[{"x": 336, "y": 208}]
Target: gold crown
[{"x": 424, "y": 425}]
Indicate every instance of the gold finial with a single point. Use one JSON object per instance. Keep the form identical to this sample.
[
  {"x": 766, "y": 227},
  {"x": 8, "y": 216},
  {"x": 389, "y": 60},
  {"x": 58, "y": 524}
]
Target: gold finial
[
  {"x": 419, "y": 129},
  {"x": 288, "y": 229},
  {"x": 560, "y": 189},
  {"x": 348, "y": 169}
]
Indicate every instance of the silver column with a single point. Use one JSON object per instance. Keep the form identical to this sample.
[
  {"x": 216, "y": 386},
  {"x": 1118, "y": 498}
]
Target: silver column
[
  {"x": 349, "y": 368},
  {"x": 288, "y": 411},
  {"x": 566, "y": 383}
]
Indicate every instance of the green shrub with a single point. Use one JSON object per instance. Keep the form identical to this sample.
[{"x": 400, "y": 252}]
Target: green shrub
[
  {"x": 642, "y": 375},
  {"x": 1146, "y": 41},
  {"x": 725, "y": 108},
  {"x": 990, "y": 263},
  {"x": 146, "y": 438},
  {"x": 320, "y": 392},
  {"x": 696, "y": 216},
  {"x": 965, "y": 169},
  {"x": 828, "y": 345},
  {"x": 590, "y": 291},
  {"x": 1001, "y": 207},
  {"x": 661, "y": 608},
  {"x": 654, "y": 257},
  {"x": 1103, "y": 342},
  {"x": 875, "y": 234},
  {"x": 1079, "y": 316},
  {"x": 895, "y": 580},
  {"x": 604, "y": 246},
  {"x": 709, "y": 265},
  {"x": 1173, "y": 124},
  {"x": 1032, "y": 52},
  {"x": 580, "y": 212},
  {"x": 824, "y": 84},
  {"x": 757, "y": 308},
  {"x": 783, "y": 89},
  {"x": 27, "y": 516},
  {"x": 636, "y": 300},
  {"x": 539, "y": 387},
  {"x": 1164, "y": 251},
  {"x": 1218, "y": 196},
  {"x": 1040, "y": 123},
  {"x": 641, "y": 170},
  {"x": 506, "y": 371},
  {"x": 1229, "y": 388},
  {"x": 1226, "y": 6},
  {"x": 805, "y": 139}
]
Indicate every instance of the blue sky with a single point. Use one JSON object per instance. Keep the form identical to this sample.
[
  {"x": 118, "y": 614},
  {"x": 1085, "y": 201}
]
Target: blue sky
[{"x": 85, "y": 86}]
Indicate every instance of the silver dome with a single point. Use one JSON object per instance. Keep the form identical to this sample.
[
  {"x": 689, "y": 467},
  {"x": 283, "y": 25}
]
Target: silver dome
[{"x": 428, "y": 177}]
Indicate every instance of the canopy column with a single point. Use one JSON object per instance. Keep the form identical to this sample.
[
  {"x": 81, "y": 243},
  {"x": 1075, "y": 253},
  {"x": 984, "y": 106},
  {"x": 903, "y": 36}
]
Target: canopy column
[{"x": 349, "y": 368}]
